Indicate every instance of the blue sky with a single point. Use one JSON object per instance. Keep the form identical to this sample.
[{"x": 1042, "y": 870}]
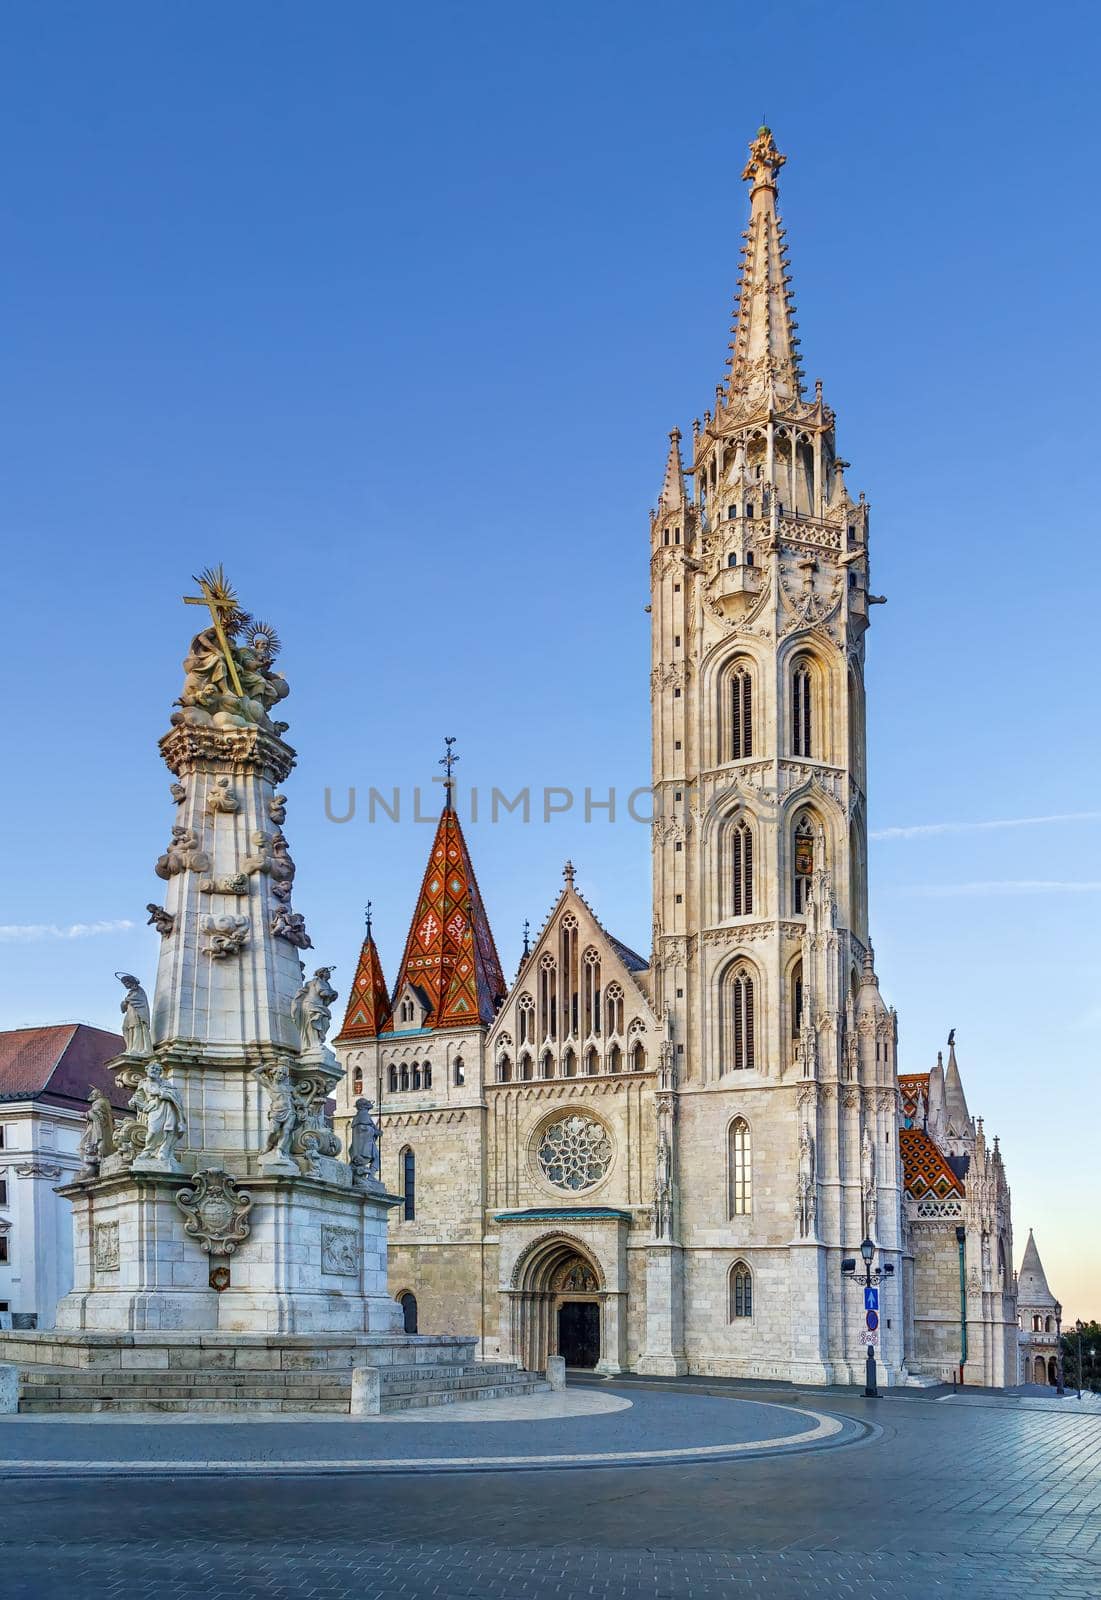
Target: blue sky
[{"x": 391, "y": 312}]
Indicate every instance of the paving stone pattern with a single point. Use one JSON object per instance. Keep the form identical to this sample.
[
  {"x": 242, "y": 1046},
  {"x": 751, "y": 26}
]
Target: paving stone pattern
[{"x": 949, "y": 1500}]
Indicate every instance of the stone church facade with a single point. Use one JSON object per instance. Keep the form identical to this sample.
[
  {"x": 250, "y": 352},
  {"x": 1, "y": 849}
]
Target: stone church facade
[{"x": 660, "y": 1163}]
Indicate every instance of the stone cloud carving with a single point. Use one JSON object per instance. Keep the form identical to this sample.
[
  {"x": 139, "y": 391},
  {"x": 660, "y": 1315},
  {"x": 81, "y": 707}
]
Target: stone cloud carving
[
  {"x": 226, "y": 935},
  {"x": 184, "y": 854},
  {"x": 216, "y": 1212}
]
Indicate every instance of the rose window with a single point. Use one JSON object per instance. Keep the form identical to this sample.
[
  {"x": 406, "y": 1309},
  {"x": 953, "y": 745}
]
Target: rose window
[{"x": 574, "y": 1152}]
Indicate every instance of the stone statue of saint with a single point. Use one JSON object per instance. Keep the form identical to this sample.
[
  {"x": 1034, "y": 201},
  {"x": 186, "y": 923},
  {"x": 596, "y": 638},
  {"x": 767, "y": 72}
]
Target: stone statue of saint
[
  {"x": 283, "y": 1113},
  {"x": 98, "y": 1138},
  {"x": 363, "y": 1142},
  {"x": 806, "y": 1199},
  {"x": 867, "y": 1163},
  {"x": 310, "y": 1010},
  {"x": 135, "y": 1017},
  {"x": 163, "y": 1114}
]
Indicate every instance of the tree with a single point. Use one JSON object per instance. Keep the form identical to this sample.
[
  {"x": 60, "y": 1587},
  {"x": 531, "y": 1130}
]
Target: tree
[{"x": 1091, "y": 1357}]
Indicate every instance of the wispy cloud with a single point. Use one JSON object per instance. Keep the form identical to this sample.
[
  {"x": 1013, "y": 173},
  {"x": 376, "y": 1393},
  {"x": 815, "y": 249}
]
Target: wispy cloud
[
  {"x": 36, "y": 932},
  {"x": 997, "y": 886},
  {"x": 922, "y": 830}
]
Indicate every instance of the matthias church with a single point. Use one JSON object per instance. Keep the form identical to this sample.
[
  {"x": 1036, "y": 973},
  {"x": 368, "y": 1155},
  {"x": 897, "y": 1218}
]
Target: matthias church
[{"x": 659, "y": 1162}]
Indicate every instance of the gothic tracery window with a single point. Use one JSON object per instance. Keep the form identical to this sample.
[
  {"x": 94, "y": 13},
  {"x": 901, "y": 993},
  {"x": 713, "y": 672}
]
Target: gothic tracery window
[
  {"x": 741, "y": 1291},
  {"x": 740, "y": 708},
  {"x": 614, "y": 1002},
  {"x": 801, "y": 699},
  {"x": 737, "y": 1020},
  {"x": 574, "y": 1152},
  {"x": 739, "y": 1162},
  {"x": 803, "y": 863},
  {"x": 741, "y": 869}
]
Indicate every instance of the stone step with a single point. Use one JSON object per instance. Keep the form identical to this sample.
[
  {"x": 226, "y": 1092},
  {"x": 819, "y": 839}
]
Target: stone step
[
  {"x": 191, "y": 1404},
  {"x": 446, "y": 1397}
]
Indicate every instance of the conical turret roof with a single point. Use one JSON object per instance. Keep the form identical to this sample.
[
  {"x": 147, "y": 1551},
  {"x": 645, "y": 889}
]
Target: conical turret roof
[
  {"x": 1032, "y": 1286},
  {"x": 450, "y": 957}
]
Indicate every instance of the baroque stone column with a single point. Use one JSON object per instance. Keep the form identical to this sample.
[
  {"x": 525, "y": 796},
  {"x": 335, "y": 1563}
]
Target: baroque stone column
[{"x": 222, "y": 1204}]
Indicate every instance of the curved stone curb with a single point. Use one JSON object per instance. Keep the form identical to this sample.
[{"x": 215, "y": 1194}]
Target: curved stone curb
[{"x": 827, "y": 1432}]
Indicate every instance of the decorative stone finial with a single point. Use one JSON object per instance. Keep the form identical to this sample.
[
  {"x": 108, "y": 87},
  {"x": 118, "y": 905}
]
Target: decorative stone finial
[
  {"x": 764, "y": 161},
  {"x": 568, "y": 872},
  {"x": 527, "y": 938}
]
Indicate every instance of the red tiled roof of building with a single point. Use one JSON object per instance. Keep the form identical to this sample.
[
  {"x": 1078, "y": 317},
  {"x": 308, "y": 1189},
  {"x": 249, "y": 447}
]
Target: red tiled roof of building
[
  {"x": 59, "y": 1063},
  {"x": 450, "y": 956}
]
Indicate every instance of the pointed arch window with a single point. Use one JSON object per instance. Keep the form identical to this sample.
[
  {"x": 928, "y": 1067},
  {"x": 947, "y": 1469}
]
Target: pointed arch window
[
  {"x": 393, "y": 1080},
  {"x": 614, "y": 1000},
  {"x": 741, "y": 869},
  {"x": 741, "y": 1291},
  {"x": 801, "y": 715},
  {"x": 737, "y": 1020},
  {"x": 638, "y": 1056},
  {"x": 741, "y": 712},
  {"x": 504, "y": 1070},
  {"x": 740, "y": 1168},
  {"x": 569, "y": 1064},
  {"x": 428, "y": 1074},
  {"x": 357, "y": 1080},
  {"x": 546, "y": 1065},
  {"x": 796, "y": 998},
  {"x": 525, "y": 1013},
  {"x": 409, "y": 1184},
  {"x": 525, "y": 1068},
  {"x": 803, "y": 862},
  {"x": 416, "y": 1074},
  {"x": 592, "y": 1062},
  {"x": 460, "y": 1072},
  {"x": 404, "y": 1077},
  {"x": 615, "y": 1058}
]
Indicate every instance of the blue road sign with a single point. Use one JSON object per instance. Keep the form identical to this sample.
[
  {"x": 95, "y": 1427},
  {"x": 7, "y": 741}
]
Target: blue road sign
[
  {"x": 871, "y": 1299},
  {"x": 872, "y": 1320}
]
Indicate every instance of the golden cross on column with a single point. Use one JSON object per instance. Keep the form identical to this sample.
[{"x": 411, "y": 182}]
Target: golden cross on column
[{"x": 218, "y": 597}]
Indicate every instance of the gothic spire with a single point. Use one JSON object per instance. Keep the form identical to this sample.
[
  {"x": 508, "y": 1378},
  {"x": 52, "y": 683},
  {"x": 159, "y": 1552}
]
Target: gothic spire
[
  {"x": 764, "y": 366},
  {"x": 672, "y": 489},
  {"x": 959, "y": 1117},
  {"x": 450, "y": 957},
  {"x": 368, "y": 999}
]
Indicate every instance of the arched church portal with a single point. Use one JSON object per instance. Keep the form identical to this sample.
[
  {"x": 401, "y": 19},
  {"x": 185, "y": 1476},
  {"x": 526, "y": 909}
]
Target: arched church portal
[{"x": 557, "y": 1306}]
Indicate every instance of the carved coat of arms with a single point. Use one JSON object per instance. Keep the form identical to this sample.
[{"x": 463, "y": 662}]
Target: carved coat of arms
[{"x": 216, "y": 1212}]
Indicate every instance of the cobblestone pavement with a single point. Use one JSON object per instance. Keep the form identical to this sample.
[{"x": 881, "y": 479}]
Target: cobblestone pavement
[{"x": 983, "y": 1501}]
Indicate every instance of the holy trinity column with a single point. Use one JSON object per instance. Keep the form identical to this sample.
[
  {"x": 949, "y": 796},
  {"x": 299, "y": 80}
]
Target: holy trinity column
[{"x": 228, "y": 1067}]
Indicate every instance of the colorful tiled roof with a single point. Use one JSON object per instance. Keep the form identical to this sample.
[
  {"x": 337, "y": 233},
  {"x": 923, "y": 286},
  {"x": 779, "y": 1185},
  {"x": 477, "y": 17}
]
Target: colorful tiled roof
[
  {"x": 59, "y": 1063},
  {"x": 909, "y": 1086},
  {"x": 925, "y": 1171},
  {"x": 450, "y": 956},
  {"x": 369, "y": 1000}
]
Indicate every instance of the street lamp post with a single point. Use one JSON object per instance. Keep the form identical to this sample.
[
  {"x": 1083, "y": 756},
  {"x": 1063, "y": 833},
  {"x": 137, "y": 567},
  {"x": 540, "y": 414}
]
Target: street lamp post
[
  {"x": 1079, "y": 1328},
  {"x": 870, "y": 1277}
]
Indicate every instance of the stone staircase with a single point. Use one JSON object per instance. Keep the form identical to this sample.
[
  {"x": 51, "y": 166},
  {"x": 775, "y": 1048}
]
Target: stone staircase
[{"x": 247, "y": 1374}]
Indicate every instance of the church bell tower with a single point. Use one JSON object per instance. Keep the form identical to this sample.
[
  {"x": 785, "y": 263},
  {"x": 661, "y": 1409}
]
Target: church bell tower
[{"x": 784, "y": 1051}]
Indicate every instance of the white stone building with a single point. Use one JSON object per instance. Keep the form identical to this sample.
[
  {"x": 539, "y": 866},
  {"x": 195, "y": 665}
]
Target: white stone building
[
  {"x": 45, "y": 1076},
  {"x": 660, "y": 1164},
  {"x": 1040, "y": 1317}
]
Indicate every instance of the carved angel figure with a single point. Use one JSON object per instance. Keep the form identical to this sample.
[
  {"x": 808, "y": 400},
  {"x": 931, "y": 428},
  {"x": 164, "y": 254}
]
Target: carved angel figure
[
  {"x": 183, "y": 852},
  {"x": 98, "y": 1138},
  {"x": 135, "y": 1017},
  {"x": 260, "y": 859},
  {"x": 162, "y": 920},
  {"x": 221, "y": 797},
  {"x": 310, "y": 1009},
  {"x": 281, "y": 868},
  {"x": 178, "y": 793},
  {"x": 363, "y": 1142},
  {"x": 163, "y": 1114},
  {"x": 277, "y": 809},
  {"x": 291, "y": 925}
]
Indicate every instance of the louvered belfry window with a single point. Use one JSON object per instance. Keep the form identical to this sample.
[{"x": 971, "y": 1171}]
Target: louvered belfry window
[
  {"x": 742, "y": 869},
  {"x": 740, "y": 1053},
  {"x": 741, "y": 713}
]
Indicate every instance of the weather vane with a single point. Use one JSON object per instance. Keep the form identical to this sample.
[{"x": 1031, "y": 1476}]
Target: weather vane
[
  {"x": 447, "y": 762},
  {"x": 220, "y": 599},
  {"x": 527, "y": 940},
  {"x": 367, "y": 918}
]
